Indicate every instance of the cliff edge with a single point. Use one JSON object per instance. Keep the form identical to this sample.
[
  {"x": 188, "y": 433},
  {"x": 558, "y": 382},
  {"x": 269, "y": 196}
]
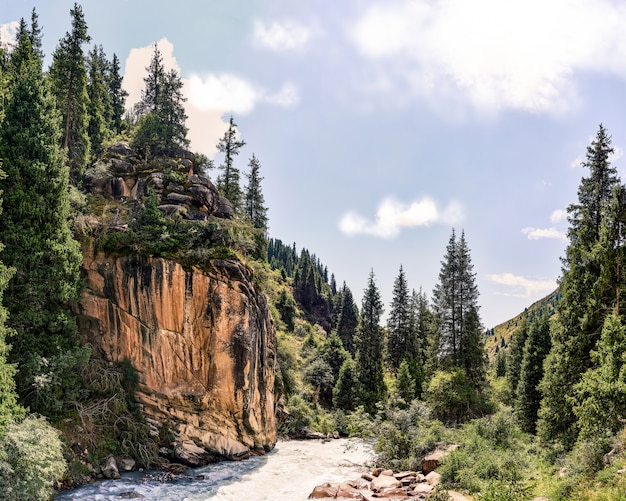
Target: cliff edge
[{"x": 201, "y": 338}]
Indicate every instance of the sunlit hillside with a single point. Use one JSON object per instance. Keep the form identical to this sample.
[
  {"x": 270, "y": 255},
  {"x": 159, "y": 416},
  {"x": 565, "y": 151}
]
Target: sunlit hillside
[{"x": 498, "y": 337}]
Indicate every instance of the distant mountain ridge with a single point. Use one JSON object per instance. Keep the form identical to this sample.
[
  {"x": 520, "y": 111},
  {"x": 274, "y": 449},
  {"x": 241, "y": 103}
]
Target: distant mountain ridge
[{"x": 498, "y": 337}]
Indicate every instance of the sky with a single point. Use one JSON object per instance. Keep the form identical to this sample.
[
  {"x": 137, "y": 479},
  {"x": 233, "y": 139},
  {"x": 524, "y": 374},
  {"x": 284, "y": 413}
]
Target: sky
[{"x": 381, "y": 125}]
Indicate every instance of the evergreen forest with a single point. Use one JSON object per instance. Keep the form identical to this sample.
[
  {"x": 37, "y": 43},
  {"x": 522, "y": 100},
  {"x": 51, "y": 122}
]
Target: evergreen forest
[{"x": 542, "y": 412}]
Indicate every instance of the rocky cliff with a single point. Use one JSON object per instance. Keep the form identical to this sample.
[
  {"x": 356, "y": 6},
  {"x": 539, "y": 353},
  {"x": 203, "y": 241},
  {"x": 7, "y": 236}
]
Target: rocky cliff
[
  {"x": 202, "y": 340},
  {"x": 203, "y": 344}
]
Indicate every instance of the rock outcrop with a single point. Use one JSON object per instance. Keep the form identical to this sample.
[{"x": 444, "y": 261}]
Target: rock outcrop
[{"x": 202, "y": 341}]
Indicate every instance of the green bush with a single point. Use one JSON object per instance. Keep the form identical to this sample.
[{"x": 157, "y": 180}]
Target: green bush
[
  {"x": 492, "y": 451},
  {"x": 301, "y": 416},
  {"x": 360, "y": 424},
  {"x": 52, "y": 384},
  {"x": 31, "y": 460},
  {"x": 405, "y": 436}
]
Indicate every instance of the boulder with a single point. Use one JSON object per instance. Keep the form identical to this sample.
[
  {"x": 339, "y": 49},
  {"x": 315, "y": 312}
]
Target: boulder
[
  {"x": 393, "y": 492},
  {"x": 433, "y": 460},
  {"x": 204, "y": 196},
  {"x": 119, "y": 188},
  {"x": 433, "y": 478},
  {"x": 346, "y": 491},
  {"x": 121, "y": 149},
  {"x": 177, "y": 198},
  {"x": 122, "y": 166},
  {"x": 224, "y": 208},
  {"x": 421, "y": 490},
  {"x": 402, "y": 474},
  {"x": 385, "y": 482},
  {"x": 195, "y": 179},
  {"x": 140, "y": 189},
  {"x": 312, "y": 435},
  {"x": 156, "y": 179},
  {"x": 127, "y": 464},
  {"x": 195, "y": 215},
  {"x": 326, "y": 490},
  {"x": 110, "y": 469},
  {"x": 131, "y": 495}
]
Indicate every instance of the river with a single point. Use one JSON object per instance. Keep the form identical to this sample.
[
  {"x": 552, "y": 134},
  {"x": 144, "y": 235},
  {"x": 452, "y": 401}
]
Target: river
[{"x": 288, "y": 473}]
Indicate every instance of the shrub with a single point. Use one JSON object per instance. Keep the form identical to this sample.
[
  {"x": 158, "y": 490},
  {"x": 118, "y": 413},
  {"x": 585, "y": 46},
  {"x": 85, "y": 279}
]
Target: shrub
[
  {"x": 449, "y": 395},
  {"x": 300, "y": 416},
  {"x": 493, "y": 451},
  {"x": 407, "y": 435},
  {"x": 31, "y": 460}
]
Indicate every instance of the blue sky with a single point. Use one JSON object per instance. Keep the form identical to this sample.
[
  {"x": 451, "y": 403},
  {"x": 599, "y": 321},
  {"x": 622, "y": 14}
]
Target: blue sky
[{"x": 380, "y": 125}]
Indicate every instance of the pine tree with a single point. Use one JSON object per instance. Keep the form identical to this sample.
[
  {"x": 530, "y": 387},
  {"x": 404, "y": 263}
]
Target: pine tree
[
  {"x": 69, "y": 79},
  {"x": 161, "y": 126},
  {"x": 254, "y": 208},
  {"x": 459, "y": 331},
  {"x": 369, "y": 346},
  {"x": 333, "y": 353},
  {"x": 417, "y": 347},
  {"x": 343, "y": 392},
  {"x": 399, "y": 326},
  {"x": 600, "y": 396},
  {"x": 117, "y": 96},
  {"x": 254, "y": 201},
  {"x": 348, "y": 319},
  {"x": 99, "y": 100},
  {"x": 10, "y": 410},
  {"x": 536, "y": 348},
  {"x": 171, "y": 111},
  {"x": 405, "y": 382},
  {"x": 228, "y": 180},
  {"x": 150, "y": 95},
  {"x": 580, "y": 315},
  {"x": 35, "y": 226},
  {"x": 515, "y": 357},
  {"x": 35, "y": 34}
]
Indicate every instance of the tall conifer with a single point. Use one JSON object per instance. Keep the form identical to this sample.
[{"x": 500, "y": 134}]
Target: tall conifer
[
  {"x": 228, "y": 180},
  {"x": 348, "y": 319},
  {"x": 35, "y": 226},
  {"x": 69, "y": 78},
  {"x": 117, "y": 96},
  {"x": 459, "y": 332},
  {"x": 536, "y": 348},
  {"x": 580, "y": 312},
  {"x": 99, "y": 100},
  {"x": 370, "y": 345},
  {"x": 399, "y": 326}
]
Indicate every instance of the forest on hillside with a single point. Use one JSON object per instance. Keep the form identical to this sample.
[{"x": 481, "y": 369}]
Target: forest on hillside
[{"x": 536, "y": 418}]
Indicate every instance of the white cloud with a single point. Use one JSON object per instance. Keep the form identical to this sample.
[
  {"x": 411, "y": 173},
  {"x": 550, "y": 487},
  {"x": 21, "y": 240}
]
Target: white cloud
[
  {"x": 393, "y": 215},
  {"x": 523, "y": 287},
  {"x": 618, "y": 152},
  {"x": 281, "y": 36},
  {"x": 539, "y": 233},
  {"x": 493, "y": 54},
  {"x": 209, "y": 97},
  {"x": 8, "y": 32},
  {"x": 558, "y": 215},
  {"x": 229, "y": 92},
  {"x": 577, "y": 162}
]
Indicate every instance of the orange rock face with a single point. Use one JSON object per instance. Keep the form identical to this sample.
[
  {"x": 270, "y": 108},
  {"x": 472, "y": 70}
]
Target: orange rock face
[{"x": 203, "y": 343}]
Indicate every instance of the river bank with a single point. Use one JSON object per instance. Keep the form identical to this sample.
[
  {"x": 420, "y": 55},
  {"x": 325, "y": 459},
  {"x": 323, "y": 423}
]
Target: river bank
[{"x": 288, "y": 473}]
